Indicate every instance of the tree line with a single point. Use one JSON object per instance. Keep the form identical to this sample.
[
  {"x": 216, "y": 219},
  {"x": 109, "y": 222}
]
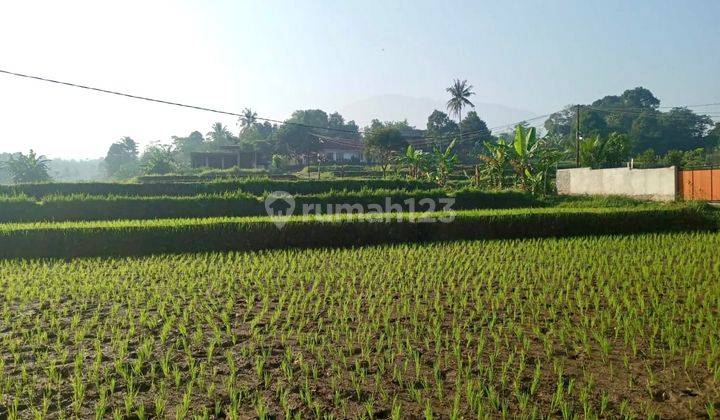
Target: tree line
[
  {"x": 616, "y": 128},
  {"x": 612, "y": 130}
]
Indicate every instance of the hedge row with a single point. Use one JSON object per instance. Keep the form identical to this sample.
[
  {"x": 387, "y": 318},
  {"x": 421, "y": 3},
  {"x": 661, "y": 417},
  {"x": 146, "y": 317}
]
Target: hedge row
[
  {"x": 77, "y": 208},
  {"x": 255, "y": 186},
  {"x": 199, "y": 235}
]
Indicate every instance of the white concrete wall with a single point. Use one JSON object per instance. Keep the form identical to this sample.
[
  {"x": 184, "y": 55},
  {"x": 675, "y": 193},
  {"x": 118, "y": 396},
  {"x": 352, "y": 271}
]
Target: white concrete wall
[{"x": 653, "y": 184}]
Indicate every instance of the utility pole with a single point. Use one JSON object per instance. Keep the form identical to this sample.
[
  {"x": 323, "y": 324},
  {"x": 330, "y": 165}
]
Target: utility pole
[{"x": 577, "y": 136}]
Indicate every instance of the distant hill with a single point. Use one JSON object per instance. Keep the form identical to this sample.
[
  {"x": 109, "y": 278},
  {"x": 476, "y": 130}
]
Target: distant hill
[{"x": 416, "y": 110}]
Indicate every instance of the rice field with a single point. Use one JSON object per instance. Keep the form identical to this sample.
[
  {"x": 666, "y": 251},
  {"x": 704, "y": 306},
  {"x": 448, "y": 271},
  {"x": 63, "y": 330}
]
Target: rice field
[{"x": 610, "y": 326}]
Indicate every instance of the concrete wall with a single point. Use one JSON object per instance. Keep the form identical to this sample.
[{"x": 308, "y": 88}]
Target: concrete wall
[{"x": 653, "y": 184}]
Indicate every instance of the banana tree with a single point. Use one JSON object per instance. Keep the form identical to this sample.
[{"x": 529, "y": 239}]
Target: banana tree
[
  {"x": 530, "y": 161},
  {"x": 443, "y": 163},
  {"x": 496, "y": 161},
  {"x": 415, "y": 160}
]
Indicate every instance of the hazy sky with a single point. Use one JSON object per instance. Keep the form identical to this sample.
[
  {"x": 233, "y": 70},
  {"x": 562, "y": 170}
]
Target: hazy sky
[{"x": 278, "y": 56}]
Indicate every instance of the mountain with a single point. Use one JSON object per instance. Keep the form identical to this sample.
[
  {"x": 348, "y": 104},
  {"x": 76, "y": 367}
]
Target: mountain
[{"x": 416, "y": 110}]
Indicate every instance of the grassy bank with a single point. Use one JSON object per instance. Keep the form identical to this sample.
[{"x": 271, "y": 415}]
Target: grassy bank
[
  {"x": 238, "y": 204},
  {"x": 254, "y": 186},
  {"x": 138, "y": 237}
]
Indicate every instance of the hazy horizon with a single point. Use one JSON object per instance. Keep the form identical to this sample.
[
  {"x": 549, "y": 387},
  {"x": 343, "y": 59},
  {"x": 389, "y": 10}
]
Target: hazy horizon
[{"x": 528, "y": 57}]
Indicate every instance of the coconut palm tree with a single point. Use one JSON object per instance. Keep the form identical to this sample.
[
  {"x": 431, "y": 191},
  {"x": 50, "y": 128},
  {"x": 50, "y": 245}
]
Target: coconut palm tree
[
  {"x": 459, "y": 92},
  {"x": 219, "y": 134},
  {"x": 248, "y": 118},
  {"x": 28, "y": 168}
]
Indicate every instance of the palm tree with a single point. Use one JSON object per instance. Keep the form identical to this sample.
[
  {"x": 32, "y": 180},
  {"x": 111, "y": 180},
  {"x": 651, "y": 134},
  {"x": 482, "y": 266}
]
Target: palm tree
[
  {"x": 459, "y": 92},
  {"x": 28, "y": 168},
  {"x": 219, "y": 134},
  {"x": 248, "y": 118},
  {"x": 130, "y": 145}
]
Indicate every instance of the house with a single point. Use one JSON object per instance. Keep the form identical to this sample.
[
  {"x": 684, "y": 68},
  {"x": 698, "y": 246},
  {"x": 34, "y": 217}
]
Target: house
[
  {"x": 341, "y": 150},
  {"x": 225, "y": 157}
]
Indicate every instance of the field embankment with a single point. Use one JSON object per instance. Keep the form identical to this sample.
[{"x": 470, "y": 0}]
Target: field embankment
[{"x": 137, "y": 237}]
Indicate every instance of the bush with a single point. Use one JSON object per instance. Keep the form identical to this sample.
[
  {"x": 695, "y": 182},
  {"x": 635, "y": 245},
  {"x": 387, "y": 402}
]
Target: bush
[
  {"x": 196, "y": 235},
  {"x": 254, "y": 186}
]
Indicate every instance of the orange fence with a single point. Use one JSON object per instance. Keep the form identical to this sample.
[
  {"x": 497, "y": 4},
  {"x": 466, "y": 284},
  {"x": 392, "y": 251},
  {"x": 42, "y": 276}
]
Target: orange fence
[{"x": 699, "y": 184}]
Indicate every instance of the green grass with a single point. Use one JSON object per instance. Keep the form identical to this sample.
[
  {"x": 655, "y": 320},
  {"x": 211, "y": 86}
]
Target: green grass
[
  {"x": 610, "y": 327},
  {"x": 254, "y": 186},
  {"x": 78, "y": 207},
  {"x": 136, "y": 237}
]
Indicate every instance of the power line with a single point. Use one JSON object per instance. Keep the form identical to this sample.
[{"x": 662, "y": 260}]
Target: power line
[
  {"x": 637, "y": 113},
  {"x": 166, "y": 102},
  {"x": 425, "y": 139}
]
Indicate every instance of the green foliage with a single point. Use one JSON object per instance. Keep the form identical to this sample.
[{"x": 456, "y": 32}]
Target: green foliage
[
  {"x": 635, "y": 113},
  {"x": 183, "y": 146},
  {"x": 254, "y": 186},
  {"x": 475, "y": 134},
  {"x": 440, "y": 125},
  {"x": 219, "y": 135},
  {"x": 415, "y": 160},
  {"x": 121, "y": 161},
  {"x": 650, "y": 159},
  {"x": 159, "y": 160},
  {"x": 496, "y": 161},
  {"x": 713, "y": 136},
  {"x": 299, "y": 136},
  {"x": 442, "y": 163},
  {"x": 531, "y": 160},
  {"x": 27, "y": 168},
  {"x": 208, "y": 234},
  {"x": 93, "y": 208},
  {"x": 600, "y": 152},
  {"x": 689, "y": 159},
  {"x": 383, "y": 143},
  {"x": 459, "y": 92}
]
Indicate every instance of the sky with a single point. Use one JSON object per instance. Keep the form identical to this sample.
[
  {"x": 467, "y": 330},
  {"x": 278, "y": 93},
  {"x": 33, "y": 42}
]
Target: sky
[{"x": 279, "y": 56}]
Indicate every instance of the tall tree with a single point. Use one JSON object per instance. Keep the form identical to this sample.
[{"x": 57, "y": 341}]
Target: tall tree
[
  {"x": 683, "y": 129},
  {"x": 28, "y": 168},
  {"x": 440, "y": 127},
  {"x": 159, "y": 159},
  {"x": 298, "y": 141},
  {"x": 476, "y": 133},
  {"x": 636, "y": 113},
  {"x": 219, "y": 135},
  {"x": 383, "y": 143},
  {"x": 121, "y": 159},
  {"x": 183, "y": 146},
  {"x": 561, "y": 122},
  {"x": 247, "y": 120},
  {"x": 713, "y": 136},
  {"x": 459, "y": 92}
]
